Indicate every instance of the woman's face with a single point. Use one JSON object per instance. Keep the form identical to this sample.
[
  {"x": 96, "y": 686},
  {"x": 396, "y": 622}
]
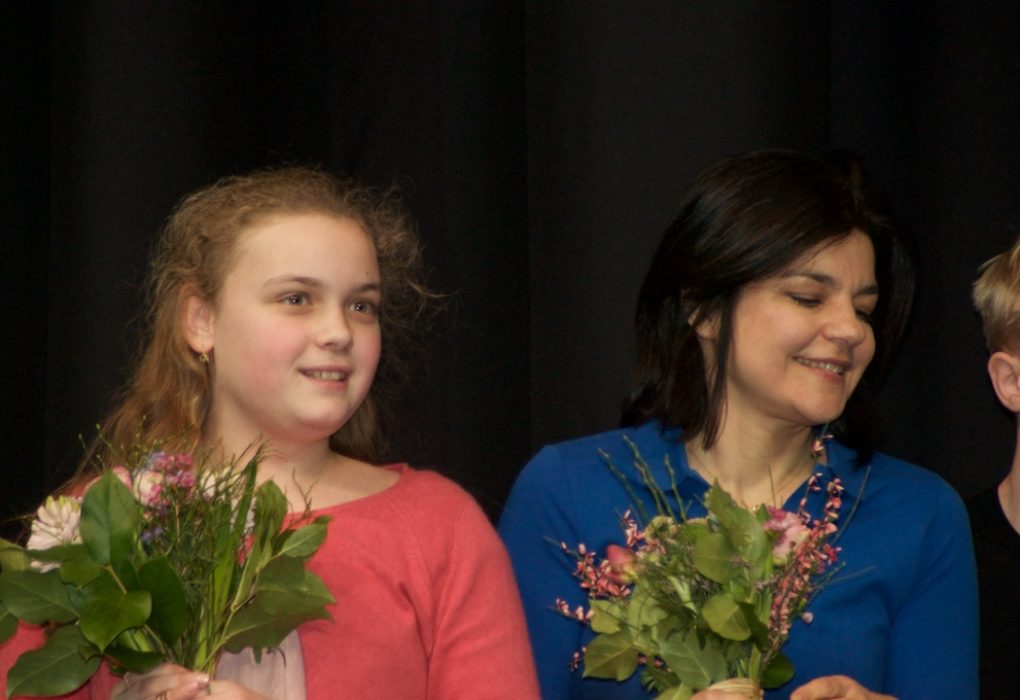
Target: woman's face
[{"x": 803, "y": 338}]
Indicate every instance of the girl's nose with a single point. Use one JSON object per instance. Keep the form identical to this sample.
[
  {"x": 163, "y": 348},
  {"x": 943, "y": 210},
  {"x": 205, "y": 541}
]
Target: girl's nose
[{"x": 335, "y": 331}]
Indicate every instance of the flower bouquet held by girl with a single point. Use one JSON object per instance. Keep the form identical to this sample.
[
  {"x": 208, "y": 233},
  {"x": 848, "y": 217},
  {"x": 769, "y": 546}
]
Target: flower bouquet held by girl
[
  {"x": 703, "y": 602},
  {"x": 159, "y": 561}
]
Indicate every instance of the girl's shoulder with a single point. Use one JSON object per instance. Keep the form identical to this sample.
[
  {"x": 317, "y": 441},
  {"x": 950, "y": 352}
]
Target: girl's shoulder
[{"x": 413, "y": 496}]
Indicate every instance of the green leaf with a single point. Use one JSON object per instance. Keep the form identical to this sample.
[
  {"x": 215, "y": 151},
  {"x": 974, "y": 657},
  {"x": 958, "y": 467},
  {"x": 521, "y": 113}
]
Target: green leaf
[
  {"x": 741, "y": 526},
  {"x": 659, "y": 678},
  {"x": 270, "y": 511},
  {"x": 80, "y": 572},
  {"x": 62, "y": 552},
  {"x": 36, "y": 597},
  {"x": 680, "y": 692},
  {"x": 304, "y": 541},
  {"x": 286, "y": 585},
  {"x": 57, "y": 668},
  {"x": 288, "y": 594},
  {"x": 758, "y": 626},
  {"x": 610, "y": 656},
  {"x": 696, "y": 665},
  {"x": 715, "y": 558},
  {"x": 8, "y": 623},
  {"x": 133, "y": 661},
  {"x": 170, "y": 614},
  {"x": 107, "y": 615},
  {"x": 779, "y": 671},
  {"x": 725, "y": 617},
  {"x": 606, "y": 615},
  {"x": 12, "y": 556},
  {"x": 109, "y": 520},
  {"x": 644, "y": 611}
]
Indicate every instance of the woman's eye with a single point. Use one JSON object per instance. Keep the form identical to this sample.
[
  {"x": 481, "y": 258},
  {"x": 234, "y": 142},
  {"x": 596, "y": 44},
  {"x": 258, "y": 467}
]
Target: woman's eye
[
  {"x": 865, "y": 315},
  {"x": 807, "y": 301}
]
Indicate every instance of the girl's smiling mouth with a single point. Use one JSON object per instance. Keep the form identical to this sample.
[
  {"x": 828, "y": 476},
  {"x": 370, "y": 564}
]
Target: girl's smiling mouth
[{"x": 326, "y": 375}]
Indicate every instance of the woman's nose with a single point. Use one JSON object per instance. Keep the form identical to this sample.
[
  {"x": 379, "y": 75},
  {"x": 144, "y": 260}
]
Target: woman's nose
[{"x": 846, "y": 325}]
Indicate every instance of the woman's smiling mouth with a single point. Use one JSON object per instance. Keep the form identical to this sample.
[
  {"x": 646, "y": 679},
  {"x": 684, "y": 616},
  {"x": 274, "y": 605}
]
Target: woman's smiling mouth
[{"x": 822, "y": 365}]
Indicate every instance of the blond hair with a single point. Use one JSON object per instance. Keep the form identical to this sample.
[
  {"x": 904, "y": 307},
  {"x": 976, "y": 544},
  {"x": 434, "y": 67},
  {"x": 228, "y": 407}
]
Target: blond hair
[
  {"x": 167, "y": 398},
  {"x": 996, "y": 296}
]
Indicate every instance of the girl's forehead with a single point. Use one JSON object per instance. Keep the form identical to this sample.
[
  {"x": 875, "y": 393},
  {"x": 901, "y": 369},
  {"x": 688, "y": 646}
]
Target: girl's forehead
[{"x": 289, "y": 230}]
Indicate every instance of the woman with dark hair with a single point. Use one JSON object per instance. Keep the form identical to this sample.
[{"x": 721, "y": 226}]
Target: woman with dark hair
[{"x": 773, "y": 301}]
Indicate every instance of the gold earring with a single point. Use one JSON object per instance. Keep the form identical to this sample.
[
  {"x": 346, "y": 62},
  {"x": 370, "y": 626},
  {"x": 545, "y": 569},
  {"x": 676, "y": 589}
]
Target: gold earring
[{"x": 203, "y": 358}]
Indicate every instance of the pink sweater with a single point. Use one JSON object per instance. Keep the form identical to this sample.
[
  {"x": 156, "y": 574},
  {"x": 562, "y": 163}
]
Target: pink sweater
[{"x": 426, "y": 604}]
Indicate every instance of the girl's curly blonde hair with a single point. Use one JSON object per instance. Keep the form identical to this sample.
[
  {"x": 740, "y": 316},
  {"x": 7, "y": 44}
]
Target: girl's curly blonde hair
[{"x": 167, "y": 398}]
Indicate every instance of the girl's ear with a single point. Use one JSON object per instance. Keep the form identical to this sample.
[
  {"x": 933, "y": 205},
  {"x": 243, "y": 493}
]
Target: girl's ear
[
  {"x": 197, "y": 319},
  {"x": 1004, "y": 371}
]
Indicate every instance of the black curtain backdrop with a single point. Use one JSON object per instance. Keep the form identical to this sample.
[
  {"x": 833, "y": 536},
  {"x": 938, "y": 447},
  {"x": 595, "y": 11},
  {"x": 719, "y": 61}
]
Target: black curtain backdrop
[{"x": 542, "y": 148}]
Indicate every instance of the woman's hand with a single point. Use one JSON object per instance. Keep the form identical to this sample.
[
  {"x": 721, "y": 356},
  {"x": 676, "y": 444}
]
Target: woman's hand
[
  {"x": 716, "y": 695},
  {"x": 836, "y": 688},
  {"x": 165, "y": 682},
  {"x": 824, "y": 688}
]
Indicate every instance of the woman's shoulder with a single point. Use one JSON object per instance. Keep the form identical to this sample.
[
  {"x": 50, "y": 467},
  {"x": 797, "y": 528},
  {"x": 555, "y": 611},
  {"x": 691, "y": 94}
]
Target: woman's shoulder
[
  {"x": 590, "y": 454},
  {"x": 884, "y": 472},
  {"x": 902, "y": 491}
]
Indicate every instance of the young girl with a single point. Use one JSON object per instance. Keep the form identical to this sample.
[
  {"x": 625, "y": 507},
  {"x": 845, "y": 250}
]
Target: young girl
[
  {"x": 271, "y": 297},
  {"x": 757, "y": 324}
]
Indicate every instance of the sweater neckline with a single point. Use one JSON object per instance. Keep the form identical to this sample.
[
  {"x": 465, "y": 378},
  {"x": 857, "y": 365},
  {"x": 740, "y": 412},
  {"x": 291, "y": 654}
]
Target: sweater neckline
[{"x": 403, "y": 471}]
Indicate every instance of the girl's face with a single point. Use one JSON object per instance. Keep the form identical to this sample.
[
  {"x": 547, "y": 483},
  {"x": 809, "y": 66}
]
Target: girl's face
[
  {"x": 295, "y": 332},
  {"x": 802, "y": 339}
]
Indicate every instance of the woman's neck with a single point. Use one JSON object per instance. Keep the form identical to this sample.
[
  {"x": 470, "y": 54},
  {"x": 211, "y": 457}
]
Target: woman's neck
[{"x": 755, "y": 464}]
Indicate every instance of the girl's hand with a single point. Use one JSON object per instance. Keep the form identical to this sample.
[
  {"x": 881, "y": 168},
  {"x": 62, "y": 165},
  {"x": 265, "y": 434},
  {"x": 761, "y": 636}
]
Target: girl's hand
[
  {"x": 165, "y": 682},
  {"x": 170, "y": 682},
  {"x": 716, "y": 695},
  {"x": 836, "y": 688},
  {"x": 228, "y": 690}
]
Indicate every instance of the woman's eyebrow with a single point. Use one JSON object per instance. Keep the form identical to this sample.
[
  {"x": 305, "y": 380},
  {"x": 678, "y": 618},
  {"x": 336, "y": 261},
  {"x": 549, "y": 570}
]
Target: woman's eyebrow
[{"x": 830, "y": 281}]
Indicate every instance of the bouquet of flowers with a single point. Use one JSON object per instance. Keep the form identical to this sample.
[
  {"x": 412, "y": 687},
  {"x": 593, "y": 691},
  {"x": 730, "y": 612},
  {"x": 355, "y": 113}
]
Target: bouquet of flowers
[
  {"x": 161, "y": 559},
  {"x": 703, "y": 602}
]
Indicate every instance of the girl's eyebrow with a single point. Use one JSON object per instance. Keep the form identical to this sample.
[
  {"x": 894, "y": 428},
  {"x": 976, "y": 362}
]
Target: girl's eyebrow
[
  {"x": 830, "y": 281},
  {"x": 314, "y": 283},
  {"x": 294, "y": 279}
]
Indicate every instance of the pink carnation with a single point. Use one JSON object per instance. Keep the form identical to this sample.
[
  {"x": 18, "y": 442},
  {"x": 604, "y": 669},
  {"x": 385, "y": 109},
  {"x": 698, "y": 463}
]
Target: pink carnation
[{"x": 792, "y": 531}]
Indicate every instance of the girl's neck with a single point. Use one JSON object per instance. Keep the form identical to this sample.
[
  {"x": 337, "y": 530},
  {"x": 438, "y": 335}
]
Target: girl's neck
[
  {"x": 755, "y": 464},
  {"x": 311, "y": 475}
]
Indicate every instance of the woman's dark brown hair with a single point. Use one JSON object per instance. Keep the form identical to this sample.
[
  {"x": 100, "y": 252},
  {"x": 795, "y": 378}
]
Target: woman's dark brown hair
[{"x": 745, "y": 219}]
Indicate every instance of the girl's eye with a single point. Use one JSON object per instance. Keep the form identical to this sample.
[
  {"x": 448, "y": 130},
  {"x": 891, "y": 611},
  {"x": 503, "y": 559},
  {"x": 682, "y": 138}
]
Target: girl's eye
[
  {"x": 365, "y": 307},
  {"x": 296, "y": 299},
  {"x": 865, "y": 315}
]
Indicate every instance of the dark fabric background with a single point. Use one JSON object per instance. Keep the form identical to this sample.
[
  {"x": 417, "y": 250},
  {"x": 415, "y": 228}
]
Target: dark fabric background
[{"x": 542, "y": 148}]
